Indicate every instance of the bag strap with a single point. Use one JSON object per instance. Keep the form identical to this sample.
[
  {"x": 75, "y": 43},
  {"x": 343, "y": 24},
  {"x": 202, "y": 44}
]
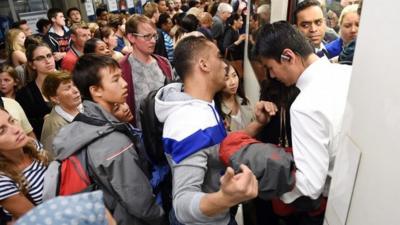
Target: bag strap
[{"x": 89, "y": 120}]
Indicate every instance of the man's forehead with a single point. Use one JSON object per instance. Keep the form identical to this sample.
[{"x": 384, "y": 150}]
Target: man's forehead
[
  {"x": 145, "y": 27},
  {"x": 310, "y": 14},
  {"x": 74, "y": 12},
  {"x": 81, "y": 31}
]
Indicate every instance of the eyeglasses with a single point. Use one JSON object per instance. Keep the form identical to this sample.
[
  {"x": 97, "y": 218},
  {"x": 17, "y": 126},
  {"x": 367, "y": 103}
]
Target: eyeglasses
[
  {"x": 147, "y": 37},
  {"x": 41, "y": 58}
]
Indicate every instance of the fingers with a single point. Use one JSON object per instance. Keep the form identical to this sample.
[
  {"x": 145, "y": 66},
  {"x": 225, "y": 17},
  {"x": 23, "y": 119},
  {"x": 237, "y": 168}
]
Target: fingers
[
  {"x": 247, "y": 183},
  {"x": 229, "y": 174},
  {"x": 268, "y": 107}
]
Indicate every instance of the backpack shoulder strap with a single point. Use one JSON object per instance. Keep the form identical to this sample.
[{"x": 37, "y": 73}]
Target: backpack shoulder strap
[
  {"x": 89, "y": 120},
  {"x": 50, "y": 179}
]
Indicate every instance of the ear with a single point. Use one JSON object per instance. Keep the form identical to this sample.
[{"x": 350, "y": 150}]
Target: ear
[
  {"x": 73, "y": 37},
  {"x": 288, "y": 55},
  {"x": 130, "y": 37},
  {"x": 55, "y": 99},
  {"x": 96, "y": 91},
  {"x": 203, "y": 64}
]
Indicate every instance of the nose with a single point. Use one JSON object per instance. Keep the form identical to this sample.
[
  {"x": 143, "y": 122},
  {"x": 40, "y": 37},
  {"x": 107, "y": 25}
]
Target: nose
[
  {"x": 48, "y": 59},
  {"x": 230, "y": 82},
  {"x": 15, "y": 129},
  {"x": 75, "y": 89},
  {"x": 354, "y": 29},
  {"x": 124, "y": 84},
  {"x": 313, "y": 27}
]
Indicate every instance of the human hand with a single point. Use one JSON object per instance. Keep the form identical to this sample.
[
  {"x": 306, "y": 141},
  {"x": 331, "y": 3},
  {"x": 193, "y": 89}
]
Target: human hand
[
  {"x": 58, "y": 55},
  {"x": 237, "y": 188},
  {"x": 242, "y": 37},
  {"x": 264, "y": 110}
]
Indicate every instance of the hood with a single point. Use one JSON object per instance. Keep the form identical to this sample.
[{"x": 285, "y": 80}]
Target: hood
[
  {"x": 170, "y": 98},
  {"x": 77, "y": 134},
  {"x": 51, "y": 30},
  {"x": 190, "y": 125}
]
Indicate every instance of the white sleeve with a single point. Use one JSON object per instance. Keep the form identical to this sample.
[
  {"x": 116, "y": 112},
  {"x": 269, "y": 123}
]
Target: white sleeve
[{"x": 310, "y": 138}]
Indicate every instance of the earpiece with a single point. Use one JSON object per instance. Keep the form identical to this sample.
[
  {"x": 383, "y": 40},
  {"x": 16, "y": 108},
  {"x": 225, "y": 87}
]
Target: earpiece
[{"x": 285, "y": 57}]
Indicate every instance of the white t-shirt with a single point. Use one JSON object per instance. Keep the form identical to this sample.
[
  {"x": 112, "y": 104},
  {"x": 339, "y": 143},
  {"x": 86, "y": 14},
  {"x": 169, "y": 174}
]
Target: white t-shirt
[{"x": 16, "y": 111}]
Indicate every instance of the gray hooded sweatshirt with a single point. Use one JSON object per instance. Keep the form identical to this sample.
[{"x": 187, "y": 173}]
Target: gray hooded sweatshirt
[
  {"x": 116, "y": 165},
  {"x": 191, "y": 137}
]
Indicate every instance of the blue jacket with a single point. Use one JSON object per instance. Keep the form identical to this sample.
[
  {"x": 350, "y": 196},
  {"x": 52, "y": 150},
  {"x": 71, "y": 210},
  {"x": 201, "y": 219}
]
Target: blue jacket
[{"x": 334, "y": 48}]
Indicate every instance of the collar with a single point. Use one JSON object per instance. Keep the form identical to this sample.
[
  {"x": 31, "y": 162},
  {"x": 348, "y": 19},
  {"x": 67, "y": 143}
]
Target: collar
[
  {"x": 65, "y": 28},
  {"x": 320, "y": 48},
  {"x": 68, "y": 117},
  {"x": 312, "y": 70},
  {"x": 77, "y": 52}
]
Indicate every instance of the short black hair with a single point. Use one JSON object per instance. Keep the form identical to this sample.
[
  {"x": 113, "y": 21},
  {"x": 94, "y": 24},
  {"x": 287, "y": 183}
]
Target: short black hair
[
  {"x": 86, "y": 72},
  {"x": 185, "y": 52},
  {"x": 100, "y": 10},
  {"x": 304, "y": 5},
  {"x": 177, "y": 18},
  {"x": 52, "y": 12},
  {"x": 232, "y": 18},
  {"x": 193, "y": 3},
  {"x": 163, "y": 19},
  {"x": 90, "y": 45},
  {"x": 190, "y": 23},
  {"x": 72, "y": 9},
  {"x": 273, "y": 38},
  {"x": 18, "y": 23},
  {"x": 40, "y": 24}
]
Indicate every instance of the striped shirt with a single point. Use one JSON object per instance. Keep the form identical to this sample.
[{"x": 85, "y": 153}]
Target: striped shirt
[
  {"x": 169, "y": 46},
  {"x": 34, "y": 175}
]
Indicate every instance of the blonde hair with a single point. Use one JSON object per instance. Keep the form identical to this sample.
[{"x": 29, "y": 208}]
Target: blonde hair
[
  {"x": 205, "y": 18},
  {"x": 194, "y": 11},
  {"x": 11, "y": 42},
  {"x": 348, "y": 9},
  {"x": 149, "y": 9},
  {"x": 93, "y": 27}
]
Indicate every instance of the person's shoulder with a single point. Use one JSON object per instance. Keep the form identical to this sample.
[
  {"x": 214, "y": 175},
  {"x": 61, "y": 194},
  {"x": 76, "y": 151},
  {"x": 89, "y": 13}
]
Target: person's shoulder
[
  {"x": 9, "y": 102},
  {"x": 192, "y": 116},
  {"x": 54, "y": 119},
  {"x": 7, "y": 186},
  {"x": 110, "y": 147}
]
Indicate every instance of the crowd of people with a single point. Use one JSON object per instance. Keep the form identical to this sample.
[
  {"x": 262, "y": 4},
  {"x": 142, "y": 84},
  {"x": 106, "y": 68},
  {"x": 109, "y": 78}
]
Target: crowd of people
[{"x": 76, "y": 84}]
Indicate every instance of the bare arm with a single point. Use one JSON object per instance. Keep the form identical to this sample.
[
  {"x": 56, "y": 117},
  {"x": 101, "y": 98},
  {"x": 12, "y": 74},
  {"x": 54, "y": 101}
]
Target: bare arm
[
  {"x": 263, "y": 111},
  {"x": 18, "y": 58},
  {"x": 17, "y": 205}
]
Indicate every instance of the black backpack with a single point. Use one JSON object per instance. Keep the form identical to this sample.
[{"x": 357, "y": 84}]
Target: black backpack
[{"x": 152, "y": 130}]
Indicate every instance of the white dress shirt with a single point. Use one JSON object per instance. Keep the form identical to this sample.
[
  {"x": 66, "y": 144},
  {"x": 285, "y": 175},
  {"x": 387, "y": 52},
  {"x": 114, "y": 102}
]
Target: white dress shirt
[{"x": 316, "y": 120}]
